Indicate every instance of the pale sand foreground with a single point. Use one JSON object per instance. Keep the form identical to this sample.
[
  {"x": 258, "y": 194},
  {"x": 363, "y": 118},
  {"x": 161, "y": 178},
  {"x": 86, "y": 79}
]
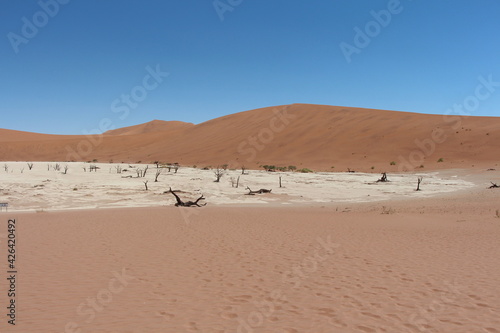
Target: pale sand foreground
[{"x": 428, "y": 266}]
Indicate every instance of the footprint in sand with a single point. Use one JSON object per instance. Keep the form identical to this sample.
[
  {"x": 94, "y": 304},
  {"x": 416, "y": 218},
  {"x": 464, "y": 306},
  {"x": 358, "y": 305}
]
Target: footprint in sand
[{"x": 165, "y": 315}]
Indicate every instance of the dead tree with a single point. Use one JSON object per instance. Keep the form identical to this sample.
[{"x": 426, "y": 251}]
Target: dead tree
[
  {"x": 218, "y": 174},
  {"x": 145, "y": 170},
  {"x": 350, "y": 171},
  {"x": 280, "y": 181},
  {"x": 493, "y": 185},
  {"x": 22, "y": 170},
  {"x": 57, "y": 167},
  {"x": 261, "y": 191},
  {"x": 6, "y": 167},
  {"x": 176, "y": 167},
  {"x": 118, "y": 169},
  {"x": 243, "y": 168},
  {"x": 383, "y": 178},
  {"x": 235, "y": 182},
  {"x": 30, "y": 166},
  {"x": 187, "y": 203},
  {"x": 65, "y": 169},
  {"x": 158, "y": 173},
  {"x": 146, "y": 184},
  {"x": 419, "y": 180}
]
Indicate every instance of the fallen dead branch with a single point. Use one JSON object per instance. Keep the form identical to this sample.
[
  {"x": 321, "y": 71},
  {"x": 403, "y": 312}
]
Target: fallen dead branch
[
  {"x": 261, "y": 191},
  {"x": 187, "y": 203}
]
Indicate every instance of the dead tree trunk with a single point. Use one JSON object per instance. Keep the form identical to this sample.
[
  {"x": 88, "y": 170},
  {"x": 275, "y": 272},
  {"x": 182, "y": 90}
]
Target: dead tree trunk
[
  {"x": 280, "y": 181},
  {"x": 158, "y": 173},
  {"x": 146, "y": 184},
  {"x": 145, "y": 170},
  {"x": 493, "y": 185},
  {"x": 30, "y": 166},
  {"x": 187, "y": 203},
  {"x": 261, "y": 191},
  {"x": 383, "y": 178},
  {"x": 419, "y": 180}
]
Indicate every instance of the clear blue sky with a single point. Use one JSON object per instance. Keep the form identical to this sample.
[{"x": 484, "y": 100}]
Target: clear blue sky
[{"x": 64, "y": 78}]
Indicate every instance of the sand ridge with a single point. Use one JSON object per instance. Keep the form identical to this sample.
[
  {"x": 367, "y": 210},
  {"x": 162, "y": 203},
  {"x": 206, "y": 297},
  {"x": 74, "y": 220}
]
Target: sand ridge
[{"x": 319, "y": 137}]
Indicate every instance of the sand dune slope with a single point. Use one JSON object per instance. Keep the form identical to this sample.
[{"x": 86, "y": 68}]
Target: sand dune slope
[{"x": 313, "y": 136}]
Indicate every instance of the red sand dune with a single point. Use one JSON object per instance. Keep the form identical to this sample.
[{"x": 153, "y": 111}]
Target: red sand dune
[{"x": 307, "y": 136}]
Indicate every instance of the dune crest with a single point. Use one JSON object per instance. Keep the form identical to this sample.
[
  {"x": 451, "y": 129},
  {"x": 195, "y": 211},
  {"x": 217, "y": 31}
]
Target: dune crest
[{"x": 319, "y": 137}]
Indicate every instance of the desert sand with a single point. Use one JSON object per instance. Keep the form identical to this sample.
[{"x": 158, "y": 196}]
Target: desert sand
[
  {"x": 423, "y": 264},
  {"x": 318, "y": 137},
  {"x": 329, "y": 251},
  {"x": 426, "y": 266}
]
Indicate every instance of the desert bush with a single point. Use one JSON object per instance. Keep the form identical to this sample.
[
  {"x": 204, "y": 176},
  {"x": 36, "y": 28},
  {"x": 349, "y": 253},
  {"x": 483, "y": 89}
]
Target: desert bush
[
  {"x": 392, "y": 163},
  {"x": 305, "y": 170},
  {"x": 440, "y": 160}
]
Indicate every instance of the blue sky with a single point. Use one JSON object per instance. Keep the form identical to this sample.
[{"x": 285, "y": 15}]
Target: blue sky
[{"x": 86, "y": 55}]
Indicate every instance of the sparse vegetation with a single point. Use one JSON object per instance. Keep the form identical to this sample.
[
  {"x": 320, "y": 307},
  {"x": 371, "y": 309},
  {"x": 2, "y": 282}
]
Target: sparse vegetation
[
  {"x": 392, "y": 163},
  {"x": 269, "y": 168},
  {"x": 440, "y": 160},
  {"x": 305, "y": 170},
  {"x": 219, "y": 172}
]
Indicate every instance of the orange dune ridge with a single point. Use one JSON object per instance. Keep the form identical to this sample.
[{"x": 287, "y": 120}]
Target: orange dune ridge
[{"x": 318, "y": 137}]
